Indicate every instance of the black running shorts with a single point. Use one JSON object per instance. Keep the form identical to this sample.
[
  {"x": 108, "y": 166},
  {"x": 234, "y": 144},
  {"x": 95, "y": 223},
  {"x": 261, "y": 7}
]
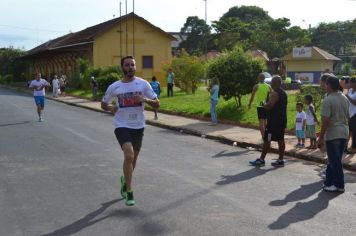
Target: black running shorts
[
  {"x": 133, "y": 136},
  {"x": 274, "y": 133},
  {"x": 261, "y": 113}
]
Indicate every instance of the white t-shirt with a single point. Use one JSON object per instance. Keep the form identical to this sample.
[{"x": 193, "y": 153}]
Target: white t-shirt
[
  {"x": 129, "y": 114},
  {"x": 38, "y": 83},
  {"x": 310, "y": 117},
  {"x": 55, "y": 83},
  {"x": 299, "y": 120},
  {"x": 352, "y": 107}
]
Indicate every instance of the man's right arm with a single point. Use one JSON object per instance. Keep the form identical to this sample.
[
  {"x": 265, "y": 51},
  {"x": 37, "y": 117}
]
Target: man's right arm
[
  {"x": 111, "y": 108},
  {"x": 273, "y": 99}
]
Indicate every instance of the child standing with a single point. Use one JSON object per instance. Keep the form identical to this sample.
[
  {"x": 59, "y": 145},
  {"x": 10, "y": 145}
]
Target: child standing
[
  {"x": 312, "y": 120},
  {"x": 300, "y": 122}
]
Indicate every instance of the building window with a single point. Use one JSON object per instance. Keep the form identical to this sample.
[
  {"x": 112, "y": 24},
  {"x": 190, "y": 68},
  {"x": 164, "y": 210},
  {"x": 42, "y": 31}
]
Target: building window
[{"x": 147, "y": 62}]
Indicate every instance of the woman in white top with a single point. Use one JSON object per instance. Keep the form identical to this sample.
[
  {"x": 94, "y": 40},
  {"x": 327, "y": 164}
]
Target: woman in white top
[
  {"x": 55, "y": 86},
  {"x": 351, "y": 95}
]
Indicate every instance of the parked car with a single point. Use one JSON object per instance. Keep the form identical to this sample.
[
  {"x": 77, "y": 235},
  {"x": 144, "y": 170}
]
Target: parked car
[{"x": 268, "y": 77}]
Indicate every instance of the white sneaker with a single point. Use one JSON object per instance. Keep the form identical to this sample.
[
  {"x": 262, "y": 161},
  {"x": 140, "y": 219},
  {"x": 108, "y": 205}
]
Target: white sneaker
[
  {"x": 40, "y": 119},
  {"x": 333, "y": 188}
]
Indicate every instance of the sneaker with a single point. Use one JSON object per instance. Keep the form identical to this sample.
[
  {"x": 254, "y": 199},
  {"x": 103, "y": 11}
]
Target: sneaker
[
  {"x": 123, "y": 187},
  {"x": 40, "y": 119},
  {"x": 257, "y": 162},
  {"x": 333, "y": 188},
  {"x": 298, "y": 145},
  {"x": 278, "y": 163},
  {"x": 130, "y": 199}
]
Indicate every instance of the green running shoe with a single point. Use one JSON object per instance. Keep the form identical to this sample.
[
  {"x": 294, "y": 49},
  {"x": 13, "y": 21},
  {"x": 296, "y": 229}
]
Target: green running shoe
[
  {"x": 123, "y": 187},
  {"x": 130, "y": 199}
]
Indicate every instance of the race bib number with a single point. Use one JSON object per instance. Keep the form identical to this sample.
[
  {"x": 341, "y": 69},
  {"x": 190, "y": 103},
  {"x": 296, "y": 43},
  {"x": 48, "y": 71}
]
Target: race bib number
[{"x": 131, "y": 116}]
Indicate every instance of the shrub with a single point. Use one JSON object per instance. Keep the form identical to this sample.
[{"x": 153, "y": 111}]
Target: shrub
[
  {"x": 7, "y": 79},
  {"x": 315, "y": 91},
  {"x": 237, "y": 72}
]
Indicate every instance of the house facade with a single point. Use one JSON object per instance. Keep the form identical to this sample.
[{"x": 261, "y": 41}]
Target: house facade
[{"x": 104, "y": 45}]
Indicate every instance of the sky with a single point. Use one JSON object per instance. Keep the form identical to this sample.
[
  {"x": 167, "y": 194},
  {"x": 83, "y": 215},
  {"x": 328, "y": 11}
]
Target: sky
[{"x": 27, "y": 23}]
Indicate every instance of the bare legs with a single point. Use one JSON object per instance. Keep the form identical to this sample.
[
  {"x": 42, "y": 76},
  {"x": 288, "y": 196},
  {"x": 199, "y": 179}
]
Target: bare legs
[{"x": 130, "y": 159}]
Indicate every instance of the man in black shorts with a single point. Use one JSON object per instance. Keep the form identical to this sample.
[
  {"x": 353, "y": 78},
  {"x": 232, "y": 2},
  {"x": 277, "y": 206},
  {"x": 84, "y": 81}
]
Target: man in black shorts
[
  {"x": 276, "y": 111},
  {"x": 130, "y": 94}
]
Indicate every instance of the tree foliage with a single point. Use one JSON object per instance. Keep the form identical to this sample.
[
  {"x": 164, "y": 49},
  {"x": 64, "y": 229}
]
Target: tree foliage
[
  {"x": 188, "y": 71},
  {"x": 197, "y": 32},
  {"x": 237, "y": 72},
  {"x": 11, "y": 63}
]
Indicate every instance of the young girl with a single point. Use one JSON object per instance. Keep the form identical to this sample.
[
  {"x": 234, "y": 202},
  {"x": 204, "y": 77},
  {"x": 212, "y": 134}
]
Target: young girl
[
  {"x": 300, "y": 122},
  {"x": 312, "y": 120}
]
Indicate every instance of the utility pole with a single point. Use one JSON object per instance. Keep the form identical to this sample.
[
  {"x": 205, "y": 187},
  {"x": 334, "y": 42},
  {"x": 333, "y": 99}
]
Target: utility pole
[
  {"x": 120, "y": 32},
  {"x": 206, "y": 11},
  {"x": 133, "y": 28}
]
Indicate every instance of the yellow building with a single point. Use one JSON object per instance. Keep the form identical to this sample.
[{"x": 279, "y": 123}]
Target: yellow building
[
  {"x": 104, "y": 45},
  {"x": 308, "y": 63}
]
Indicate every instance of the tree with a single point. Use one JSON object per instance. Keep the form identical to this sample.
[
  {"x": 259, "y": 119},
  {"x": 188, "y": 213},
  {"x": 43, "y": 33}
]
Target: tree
[
  {"x": 11, "y": 63},
  {"x": 188, "y": 71},
  {"x": 237, "y": 72},
  {"x": 336, "y": 38},
  {"x": 197, "y": 32}
]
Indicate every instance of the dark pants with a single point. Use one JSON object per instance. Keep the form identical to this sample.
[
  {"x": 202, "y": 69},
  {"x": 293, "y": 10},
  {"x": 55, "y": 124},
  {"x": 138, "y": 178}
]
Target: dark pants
[
  {"x": 334, "y": 172},
  {"x": 170, "y": 90},
  {"x": 353, "y": 130}
]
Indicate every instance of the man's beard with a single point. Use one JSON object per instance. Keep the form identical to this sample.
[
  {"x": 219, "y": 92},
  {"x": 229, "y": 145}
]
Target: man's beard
[{"x": 129, "y": 74}]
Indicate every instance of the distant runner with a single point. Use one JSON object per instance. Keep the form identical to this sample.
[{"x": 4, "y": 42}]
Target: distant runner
[{"x": 38, "y": 85}]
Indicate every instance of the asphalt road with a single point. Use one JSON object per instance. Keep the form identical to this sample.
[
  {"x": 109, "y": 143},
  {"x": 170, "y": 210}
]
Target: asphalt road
[{"x": 61, "y": 177}]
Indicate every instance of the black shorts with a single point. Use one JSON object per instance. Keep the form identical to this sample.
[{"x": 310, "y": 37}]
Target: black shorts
[
  {"x": 261, "y": 113},
  {"x": 133, "y": 136},
  {"x": 274, "y": 133}
]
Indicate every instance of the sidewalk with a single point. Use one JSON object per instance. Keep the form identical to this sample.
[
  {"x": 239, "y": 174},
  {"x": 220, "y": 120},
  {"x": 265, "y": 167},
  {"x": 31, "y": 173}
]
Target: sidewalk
[{"x": 244, "y": 137}]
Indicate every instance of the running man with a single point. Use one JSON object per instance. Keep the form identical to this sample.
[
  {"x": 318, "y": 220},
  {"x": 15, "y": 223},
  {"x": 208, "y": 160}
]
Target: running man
[
  {"x": 130, "y": 95},
  {"x": 38, "y": 85},
  {"x": 260, "y": 93},
  {"x": 276, "y": 110}
]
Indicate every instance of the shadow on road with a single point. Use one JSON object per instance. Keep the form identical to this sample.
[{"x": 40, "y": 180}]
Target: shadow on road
[
  {"x": 18, "y": 123},
  {"x": 249, "y": 174},
  {"x": 84, "y": 222},
  {"x": 301, "y": 193},
  {"x": 230, "y": 154},
  {"x": 303, "y": 210}
]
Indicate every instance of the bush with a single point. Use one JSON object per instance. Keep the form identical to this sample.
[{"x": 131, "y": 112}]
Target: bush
[
  {"x": 237, "y": 72},
  {"x": 315, "y": 91},
  {"x": 188, "y": 71},
  {"x": 7, "y": 79}
]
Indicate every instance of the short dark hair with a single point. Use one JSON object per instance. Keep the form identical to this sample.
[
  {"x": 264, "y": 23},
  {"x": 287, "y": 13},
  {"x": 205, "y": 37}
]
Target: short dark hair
[
  {"x": 154, "y": 78},
  {"x": 300, "y": 104},
  {"x": 308, "y": 97},
  {"x": 124, "y": 58},
  {"x": 324, "y": 77},
  {"x": 334, "y": 83}
]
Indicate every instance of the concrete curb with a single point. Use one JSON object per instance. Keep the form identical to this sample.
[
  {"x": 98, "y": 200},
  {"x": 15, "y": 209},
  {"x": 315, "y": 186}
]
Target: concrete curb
[{"x": 221, "y": 139}]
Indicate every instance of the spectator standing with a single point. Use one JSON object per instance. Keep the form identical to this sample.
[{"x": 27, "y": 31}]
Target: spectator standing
[
  {"x": 170, "y": 82},
  {"x": 157, "y": 89},
  {"x": 55, "y": 86},
  {"x": 63, "y": 84},
  {"x": 334, "y": 132},
  {"x": 214, "y": 98},
  {"x": 276, "y": 111},
  {"x": 312, "y": 120},
  {"x": 94, "y": 86},
  {"x": 351, "y": 96},
  {"x": 259, "y": 94},
  {"x": 300, "y": 123}
]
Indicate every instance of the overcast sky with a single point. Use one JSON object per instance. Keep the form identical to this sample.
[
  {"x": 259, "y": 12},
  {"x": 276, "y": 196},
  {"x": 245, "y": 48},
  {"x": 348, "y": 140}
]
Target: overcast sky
[{"x": 28, "y": 23}]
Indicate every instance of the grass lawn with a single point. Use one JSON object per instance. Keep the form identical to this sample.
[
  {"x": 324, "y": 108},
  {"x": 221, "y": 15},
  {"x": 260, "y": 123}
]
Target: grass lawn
[{"x": 199, "y": 104}]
